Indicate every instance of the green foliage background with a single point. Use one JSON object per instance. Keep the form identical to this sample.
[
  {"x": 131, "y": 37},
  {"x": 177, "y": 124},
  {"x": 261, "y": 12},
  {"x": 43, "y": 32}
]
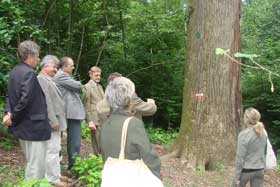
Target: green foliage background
[
  {"x": 145, "y": 40},
  {"x": 261, "y": 36},
  {"x": 88, "y": 170}
]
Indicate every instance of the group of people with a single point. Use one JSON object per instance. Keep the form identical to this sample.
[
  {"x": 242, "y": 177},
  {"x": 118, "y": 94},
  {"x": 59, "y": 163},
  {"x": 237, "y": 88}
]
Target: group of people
[{"x": 40, "y": 107}]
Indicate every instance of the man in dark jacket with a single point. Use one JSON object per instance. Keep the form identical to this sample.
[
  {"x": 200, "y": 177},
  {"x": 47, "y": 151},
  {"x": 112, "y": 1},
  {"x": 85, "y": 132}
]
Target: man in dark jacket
[{"x": 27, "y": 117}]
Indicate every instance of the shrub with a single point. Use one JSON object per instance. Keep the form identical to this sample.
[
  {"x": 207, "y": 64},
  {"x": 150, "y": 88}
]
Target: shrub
[
  {"x": 88, "y": 170},
  {"x": 278, "y": 159},
  {"x": 161, "y": 136},
  {"x": 85, "y": 133},
  {"x": 31, "y": 183},
  {"x": 7, "y": 140}
]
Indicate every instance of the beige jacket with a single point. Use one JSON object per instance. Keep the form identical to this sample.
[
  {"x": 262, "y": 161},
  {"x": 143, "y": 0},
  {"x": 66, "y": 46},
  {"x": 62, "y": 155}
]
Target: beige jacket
[
  {"x": 141, "y": 107},
  {"x": 55, "y": 103},
  {"x": 93, "y": 93}
]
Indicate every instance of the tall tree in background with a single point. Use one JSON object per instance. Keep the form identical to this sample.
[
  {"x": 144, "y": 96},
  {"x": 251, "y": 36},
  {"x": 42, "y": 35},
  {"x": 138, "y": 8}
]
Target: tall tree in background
[{"x": 212, "y": 93}]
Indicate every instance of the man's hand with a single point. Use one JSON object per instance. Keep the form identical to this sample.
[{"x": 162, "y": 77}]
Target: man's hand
[
  {"x": 55, "y": 127},
  {"x": 7, "y": 121},
  {"x": 149, "y": 100},
  {"x": 91, "y": 125}
]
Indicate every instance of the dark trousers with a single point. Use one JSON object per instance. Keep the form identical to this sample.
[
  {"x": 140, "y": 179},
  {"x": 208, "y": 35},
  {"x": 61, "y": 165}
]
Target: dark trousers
[
  {"x": 95, "y": 140},
  {"x": 73, "y": 140},
  {"x": 255, "y": 178}
]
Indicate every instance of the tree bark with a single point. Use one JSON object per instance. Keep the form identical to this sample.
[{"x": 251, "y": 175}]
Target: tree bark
[{"x": 212, "y": 94}]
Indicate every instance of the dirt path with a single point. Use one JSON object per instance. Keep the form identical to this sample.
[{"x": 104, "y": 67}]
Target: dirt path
[{"x": 173, "y": 172}]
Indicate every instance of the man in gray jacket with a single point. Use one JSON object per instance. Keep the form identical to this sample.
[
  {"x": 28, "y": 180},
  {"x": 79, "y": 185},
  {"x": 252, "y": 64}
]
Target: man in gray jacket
[
  {"x": 56, "y": 116},
  {"x": 75, "y": 113}
]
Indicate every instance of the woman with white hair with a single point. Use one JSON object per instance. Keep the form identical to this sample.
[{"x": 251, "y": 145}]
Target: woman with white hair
[
  {"x": 119, "y": 94},
  {"x": 250, "y": 157}
]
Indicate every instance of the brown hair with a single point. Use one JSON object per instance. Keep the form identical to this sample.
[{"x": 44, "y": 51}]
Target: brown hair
[{"x": 63, "y": 62}]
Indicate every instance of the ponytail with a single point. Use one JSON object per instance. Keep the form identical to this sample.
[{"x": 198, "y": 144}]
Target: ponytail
[{"x": 259, "y": 128}]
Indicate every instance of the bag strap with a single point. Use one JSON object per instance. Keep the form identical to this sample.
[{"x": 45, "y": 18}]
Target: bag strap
[
  {"x": 267, "y": 140},
  {"x": 124, "y": 134}
]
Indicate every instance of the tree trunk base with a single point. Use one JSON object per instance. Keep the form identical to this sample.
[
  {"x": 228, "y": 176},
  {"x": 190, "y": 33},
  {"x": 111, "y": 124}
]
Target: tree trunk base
[{"x": 173, "y": 154}]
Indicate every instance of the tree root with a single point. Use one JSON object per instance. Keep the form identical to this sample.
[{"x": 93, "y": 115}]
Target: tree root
[{"x": 173, "y": 154}]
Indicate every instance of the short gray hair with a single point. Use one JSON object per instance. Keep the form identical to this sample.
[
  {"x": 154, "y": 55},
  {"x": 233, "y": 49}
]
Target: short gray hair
[
  {"x": 119, "y": 93},
  {"x": 113, "y": 75},
  {"x": 49, "y": 59},
  {"x": 95, "y": 69},
  {"x": 27, "y": 48}
]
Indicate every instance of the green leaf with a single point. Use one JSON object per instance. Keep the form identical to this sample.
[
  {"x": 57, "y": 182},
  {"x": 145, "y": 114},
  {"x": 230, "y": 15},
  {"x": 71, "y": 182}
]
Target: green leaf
[
  {"x": 219, "y": 51},
  {"x": 244, "y": 55}
]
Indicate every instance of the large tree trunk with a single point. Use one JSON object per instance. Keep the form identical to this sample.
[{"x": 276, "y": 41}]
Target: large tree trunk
[{"x": 212, "y": 94}]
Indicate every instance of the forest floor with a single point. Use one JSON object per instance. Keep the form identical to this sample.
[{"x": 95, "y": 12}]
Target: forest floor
[{"x": 174, "y": 173}]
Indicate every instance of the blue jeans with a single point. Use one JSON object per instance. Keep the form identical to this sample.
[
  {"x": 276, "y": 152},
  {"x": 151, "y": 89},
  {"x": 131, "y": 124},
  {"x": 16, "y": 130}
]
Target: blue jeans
[{"x": 73, "y": 140}]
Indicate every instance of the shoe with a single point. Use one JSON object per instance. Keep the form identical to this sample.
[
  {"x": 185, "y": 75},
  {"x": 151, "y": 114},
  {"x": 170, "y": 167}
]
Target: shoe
[
  {"x": 60, "y": 158},
  {"x": 70, "y": 175},
  {"x": 60, "y": 184},
  {"x": 63, "y": 178}
]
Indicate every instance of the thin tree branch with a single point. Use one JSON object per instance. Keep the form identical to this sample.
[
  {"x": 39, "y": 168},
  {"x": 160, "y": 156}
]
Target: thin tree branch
[
  {"x": 57, "y": 24},
  {"x": 106, "y": 34},
  {"x": 143, "y": 69},
  {"x": 237, "y": 62},
  {"x": 123, "y": 31},
  {"x": 81, "y": 48},
  {"x": 69, "y": 27},
  {"x": 253, "y": 67},
  {"x": 48, "y": 12},
  {"x": 258, "y": 66},
  {"x": 263, "y": 68}
]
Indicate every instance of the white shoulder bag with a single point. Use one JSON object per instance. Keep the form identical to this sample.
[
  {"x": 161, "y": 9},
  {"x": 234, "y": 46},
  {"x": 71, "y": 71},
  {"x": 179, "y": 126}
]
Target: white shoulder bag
[
  {"x": 120, "y": 172},
  {"x": 270, "y": 158}
]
